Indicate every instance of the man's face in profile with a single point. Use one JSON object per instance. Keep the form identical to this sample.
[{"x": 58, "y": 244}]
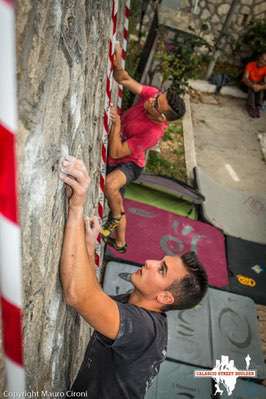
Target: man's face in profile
[{"x": 157, "y": 275}]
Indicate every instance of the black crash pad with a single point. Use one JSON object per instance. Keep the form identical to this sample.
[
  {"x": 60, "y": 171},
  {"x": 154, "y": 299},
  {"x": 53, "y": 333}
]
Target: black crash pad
[{"x": 247, "y": 268}]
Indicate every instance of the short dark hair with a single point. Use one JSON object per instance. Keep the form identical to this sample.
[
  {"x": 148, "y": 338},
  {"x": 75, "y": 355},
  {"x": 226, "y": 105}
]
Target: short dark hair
[
  {"x": 176, "y": 104},
  {"x": 189, "y": 291}
]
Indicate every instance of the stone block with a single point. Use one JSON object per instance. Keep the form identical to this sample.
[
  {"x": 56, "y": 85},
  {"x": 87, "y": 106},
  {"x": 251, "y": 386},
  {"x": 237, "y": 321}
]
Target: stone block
[
  {"x": 212, "y": 9},
  {"x": 247, "y": 2},
  {"x": 205, "y": 14},
  {"x": 215, "y": 19},
  {"x": 245, "y": 10},
  {"x": 223, "y": 9},
  {"x": 260, "y": 8},
  {"x": 205, "y": 87}
]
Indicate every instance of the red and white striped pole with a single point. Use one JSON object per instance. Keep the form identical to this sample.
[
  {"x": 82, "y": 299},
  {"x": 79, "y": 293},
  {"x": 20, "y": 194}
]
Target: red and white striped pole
[
  {"x": 124, "y": 51},
  {"x": 10, "y": 260},
  {"x": 108, "y": 99}
]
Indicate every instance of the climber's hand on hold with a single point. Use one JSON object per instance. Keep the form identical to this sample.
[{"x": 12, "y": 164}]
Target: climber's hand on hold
[
  {"x": 73, "y": 172},
  {"x": 114, "y": 116},
  {"x": 93, "y": 228},
  {"x": 121, "y": 75}
]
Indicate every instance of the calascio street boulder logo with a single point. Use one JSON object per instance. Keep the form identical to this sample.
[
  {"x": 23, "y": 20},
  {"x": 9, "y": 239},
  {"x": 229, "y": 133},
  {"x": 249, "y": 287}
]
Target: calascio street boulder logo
[{"x": 225, "y": 374}]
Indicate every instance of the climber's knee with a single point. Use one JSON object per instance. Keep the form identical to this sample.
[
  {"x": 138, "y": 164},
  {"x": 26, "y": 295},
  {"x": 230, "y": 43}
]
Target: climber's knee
[{"x": 114, "y": 181}]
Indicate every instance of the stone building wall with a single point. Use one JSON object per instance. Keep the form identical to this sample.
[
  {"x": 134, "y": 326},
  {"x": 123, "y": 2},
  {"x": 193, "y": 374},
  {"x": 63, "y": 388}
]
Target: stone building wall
[
  {"x": 211, "y": 15},
  {"x": 206, "y": 17},
  {"x": 62, "y": 53}
]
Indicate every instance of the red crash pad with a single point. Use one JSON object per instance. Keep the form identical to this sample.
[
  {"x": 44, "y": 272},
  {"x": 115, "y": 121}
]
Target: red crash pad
[{"x": 153, "y": 233}]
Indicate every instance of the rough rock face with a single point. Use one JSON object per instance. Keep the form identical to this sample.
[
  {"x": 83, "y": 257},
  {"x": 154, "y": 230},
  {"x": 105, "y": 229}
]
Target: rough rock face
[{"x": 62, "y": 50}]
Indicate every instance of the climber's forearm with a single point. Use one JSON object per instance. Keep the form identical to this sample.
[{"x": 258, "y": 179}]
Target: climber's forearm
[
  {"x": 120, "y": 74},
  {"x": 81, "y": 288},
  {"x": 122, "y": 77},
  {"x": 77, "y": 268}
]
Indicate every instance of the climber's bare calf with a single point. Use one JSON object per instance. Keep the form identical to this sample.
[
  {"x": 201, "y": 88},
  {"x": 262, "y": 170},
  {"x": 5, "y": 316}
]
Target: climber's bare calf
[{"x": 115, "y": 180}]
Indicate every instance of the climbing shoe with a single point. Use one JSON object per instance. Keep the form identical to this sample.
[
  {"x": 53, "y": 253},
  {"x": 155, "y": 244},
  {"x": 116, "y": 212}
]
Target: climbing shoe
[
  {"x": 257, "y": 112},
  {"x": 111, "y": 241},
  {"x": 111, "y": 224},
  {"x": 251, "y": 111}
]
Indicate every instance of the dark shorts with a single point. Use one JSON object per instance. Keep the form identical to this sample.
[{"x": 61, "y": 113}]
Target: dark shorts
[{"x": 130, "y": 170}]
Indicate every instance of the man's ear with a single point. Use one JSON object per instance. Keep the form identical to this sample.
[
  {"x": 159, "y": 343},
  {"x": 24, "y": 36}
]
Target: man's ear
[{"x": 165, "y": 298}]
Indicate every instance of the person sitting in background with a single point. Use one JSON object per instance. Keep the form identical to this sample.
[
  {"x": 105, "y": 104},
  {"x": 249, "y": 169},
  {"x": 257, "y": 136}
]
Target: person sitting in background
[
  {"x": 139, "y": 129},
  {"x": 255, "y": 79},
  {"x": 130, "y": 338}
]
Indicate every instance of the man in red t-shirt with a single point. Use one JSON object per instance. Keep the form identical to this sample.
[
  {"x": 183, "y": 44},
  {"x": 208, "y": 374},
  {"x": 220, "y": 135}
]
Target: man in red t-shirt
[
  {"x": 255, "y": 79},
  {"x": 139, "y": 129}
]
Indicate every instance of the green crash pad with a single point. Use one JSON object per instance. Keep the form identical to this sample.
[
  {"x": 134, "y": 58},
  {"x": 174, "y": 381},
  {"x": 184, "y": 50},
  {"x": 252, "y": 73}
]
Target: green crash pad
[{"x": 161, "y": 200}]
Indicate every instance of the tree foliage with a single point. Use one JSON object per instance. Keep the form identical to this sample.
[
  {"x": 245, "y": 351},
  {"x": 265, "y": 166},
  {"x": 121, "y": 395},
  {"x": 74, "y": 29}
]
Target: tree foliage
[
  {"x": 180, "y": 59},
  {"x": 253, "y": 40}
]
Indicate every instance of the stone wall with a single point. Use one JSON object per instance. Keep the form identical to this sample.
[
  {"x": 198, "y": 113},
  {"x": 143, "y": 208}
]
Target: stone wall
[
  {"x": 206, "y": 17},
  {"x": 62, "y": 50},
  {"x": 212, "y": 13}
]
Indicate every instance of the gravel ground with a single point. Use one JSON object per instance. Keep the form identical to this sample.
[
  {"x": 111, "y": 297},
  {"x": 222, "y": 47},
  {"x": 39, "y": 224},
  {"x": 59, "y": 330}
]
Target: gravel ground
[
  {"x": 227, "y": 146},
  {"x": 226, "y": 141}
]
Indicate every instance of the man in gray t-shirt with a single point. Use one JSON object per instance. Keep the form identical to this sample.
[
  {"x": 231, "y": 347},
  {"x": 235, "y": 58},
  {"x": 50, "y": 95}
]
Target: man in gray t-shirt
[
  {"x": 126, "y": 366},
  {"x": 130, "y": 338}
]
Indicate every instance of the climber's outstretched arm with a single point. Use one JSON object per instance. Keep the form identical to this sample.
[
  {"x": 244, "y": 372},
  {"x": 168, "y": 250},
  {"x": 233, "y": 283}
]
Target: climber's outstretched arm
[
  {"x": 121, "y": 75},
  {"x": 77, "y": 268}
]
